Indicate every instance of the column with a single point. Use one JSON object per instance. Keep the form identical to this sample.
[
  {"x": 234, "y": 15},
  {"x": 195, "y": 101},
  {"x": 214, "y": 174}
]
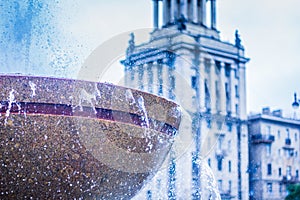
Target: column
[
  {"x": 242, "y": 91},
  {"x": 140, "y": 77},
  {"x": 150, "y": 77},
  {"x": 213, "y": 14},
  {"x": 165, "y": 79},
  {"x": 160, "y": 77},
  {"x": 203, "y": 12},
  {"x": 232, "y": 92},
  {"x": 166, "y": 12},
  {"x": 199, "y": 11},
  {"x": 172, "y": 83},
  {"x": 195, "y": 11},
  {"x": 155, "y": 13},
  {"x": 126, "y": 76},
  {"x": 183, "y": 7},
  {"x": 212, "y": 88},
  {"x": 134, "y": 77},
  {"x": 202, "y": 85},
  {"x": 173, "y": 10},
  {"x": 222, "y": 90}
]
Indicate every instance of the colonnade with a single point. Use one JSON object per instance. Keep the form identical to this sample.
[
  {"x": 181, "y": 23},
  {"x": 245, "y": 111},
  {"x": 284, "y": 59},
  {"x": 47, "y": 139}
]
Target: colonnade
[
  {"x": 189, "y": 10},
  {"x": 153, "y": 77}
]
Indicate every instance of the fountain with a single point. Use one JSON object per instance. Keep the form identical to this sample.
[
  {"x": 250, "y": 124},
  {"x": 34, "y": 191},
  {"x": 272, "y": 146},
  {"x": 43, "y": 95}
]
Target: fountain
[{"x": 72, "y": 139}]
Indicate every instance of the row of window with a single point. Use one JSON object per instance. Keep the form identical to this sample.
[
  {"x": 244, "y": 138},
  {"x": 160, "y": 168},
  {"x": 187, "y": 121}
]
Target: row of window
[
  {"x": 270, "y": 188},
  {"x": 150, "y": 82},
  {"x": 217, "y": 88},
  {"x": 287, "y": 135},
  {"x": 220, "y": 185},
  {"x": 288, "y": 171},
  {"x": 219, "y": 125},
  {"x": 287, "y": 152},
  {"x": 194, "y": 83},
  {"x": 220, "y": 164}
]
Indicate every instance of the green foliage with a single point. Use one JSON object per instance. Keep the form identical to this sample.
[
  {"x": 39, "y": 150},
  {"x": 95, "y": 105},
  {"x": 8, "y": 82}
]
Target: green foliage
[{"x": 294, "y": 192}]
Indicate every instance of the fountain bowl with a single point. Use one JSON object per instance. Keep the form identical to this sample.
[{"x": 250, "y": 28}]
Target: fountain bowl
[{"x": 73, "y": 139}]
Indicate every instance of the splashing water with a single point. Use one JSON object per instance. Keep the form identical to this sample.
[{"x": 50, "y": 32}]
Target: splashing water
[
  {"x": 142, "y": 108},
  {"x": 87, "y": 97},
  {"x": 11, "y": 100},
  {"x": 129, "y": 97},
  {"x": 33, "y": 88},
  {"x": 32, "y": 41}
]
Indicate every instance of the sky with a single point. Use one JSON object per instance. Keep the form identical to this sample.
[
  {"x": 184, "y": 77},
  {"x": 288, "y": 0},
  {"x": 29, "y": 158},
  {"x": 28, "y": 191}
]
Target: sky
[{"x": 270, "y": 33}]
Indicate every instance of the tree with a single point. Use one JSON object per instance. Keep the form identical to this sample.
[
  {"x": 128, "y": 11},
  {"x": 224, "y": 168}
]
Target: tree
[{"x": 294, "y": 192}]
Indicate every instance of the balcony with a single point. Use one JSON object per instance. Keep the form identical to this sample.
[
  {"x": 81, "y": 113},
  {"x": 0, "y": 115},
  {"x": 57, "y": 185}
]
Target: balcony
[
  {"x": 290, "y": 179},
  {"x": 226, "y": 195},
  {"x": 288, "y": 141},
  {"x": 260, "y": 138},
  {"x": 220, "y": 153}
]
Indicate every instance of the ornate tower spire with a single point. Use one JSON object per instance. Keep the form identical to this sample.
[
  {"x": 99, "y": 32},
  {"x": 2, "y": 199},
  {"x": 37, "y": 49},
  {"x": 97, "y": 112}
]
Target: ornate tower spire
[{"x": 191, "y": 11}]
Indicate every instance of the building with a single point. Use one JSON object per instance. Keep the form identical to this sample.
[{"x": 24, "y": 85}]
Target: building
[
  {"x": 274, "y": 154},
  {"x": 186, "y": 61}
]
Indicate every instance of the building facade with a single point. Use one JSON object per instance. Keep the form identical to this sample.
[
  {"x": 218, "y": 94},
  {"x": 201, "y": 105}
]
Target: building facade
[
  {"x": 185, "y": 60},
  {"x": 274, "y": 154}
]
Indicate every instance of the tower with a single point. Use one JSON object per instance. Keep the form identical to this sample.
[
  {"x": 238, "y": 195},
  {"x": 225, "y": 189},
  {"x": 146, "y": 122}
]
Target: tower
[{"x": 186, "y": 61}]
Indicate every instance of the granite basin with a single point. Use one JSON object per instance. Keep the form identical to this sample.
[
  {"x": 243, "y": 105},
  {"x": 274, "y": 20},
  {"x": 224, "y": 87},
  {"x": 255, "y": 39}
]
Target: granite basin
[{"x": 72, "y": 139}]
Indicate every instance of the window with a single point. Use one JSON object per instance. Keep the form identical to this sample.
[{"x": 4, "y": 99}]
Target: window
[
  {"x": 278, "y": 134},
  {"x": 220, "y": 164},
  {"x": 172, "y": 87},
  {"x": 237, "y": 109},
  {"x": 269, "y": 187},
  {"x": 194, "y": 82},
  {"x": 207, "y": 96},
  {"x": 220, "y": 185},
  {"x": 227, "y": 69},
  {"x": 172, "y": 82},
  {"x": 229, "y": 145},
  {"x": 289, "y": 171},
  {"x": 219, "y": 125},
  {"x": 296, "y": 137},
  {"x": 229, "y": 186},
  {"x": 149, "y": 195},
  {"x": 160, "y": 80},
  {"x": 209, "y": 162},
  {"x": 236, "y": 73},
  {"x": 297, "y": 173},
  {"x": 280, "y": 187},
  {"x": 160, "y": 90},
  {"x": 236, "y": 91},
  {"x": 269, "y": 171},
  {"x": 229, "y": 127},
  {"x": 279, "y": 152},
  {"x": 207, "y": 65},
  {"x": 217, "y": 67},
  {"x": 217, "y": 96},
  {"x": 208, "y": 123},
  {"x": 287, "y": 133},
  {"x": 220, "y": 142},
  {"x": 227, "y": 92},
  {"x": 269, "y": 149},
  {"x": 229, "y": 166},
  {"x": 279, "y": 172}
]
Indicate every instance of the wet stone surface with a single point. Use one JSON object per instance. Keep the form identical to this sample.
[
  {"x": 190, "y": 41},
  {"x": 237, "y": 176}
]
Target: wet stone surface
[{"x": 69, "y": 150}]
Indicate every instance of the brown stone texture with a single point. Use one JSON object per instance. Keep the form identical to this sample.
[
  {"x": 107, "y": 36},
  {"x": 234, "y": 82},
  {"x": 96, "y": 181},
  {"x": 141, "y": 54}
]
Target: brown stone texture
[{"x": 68, "y": 139}]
